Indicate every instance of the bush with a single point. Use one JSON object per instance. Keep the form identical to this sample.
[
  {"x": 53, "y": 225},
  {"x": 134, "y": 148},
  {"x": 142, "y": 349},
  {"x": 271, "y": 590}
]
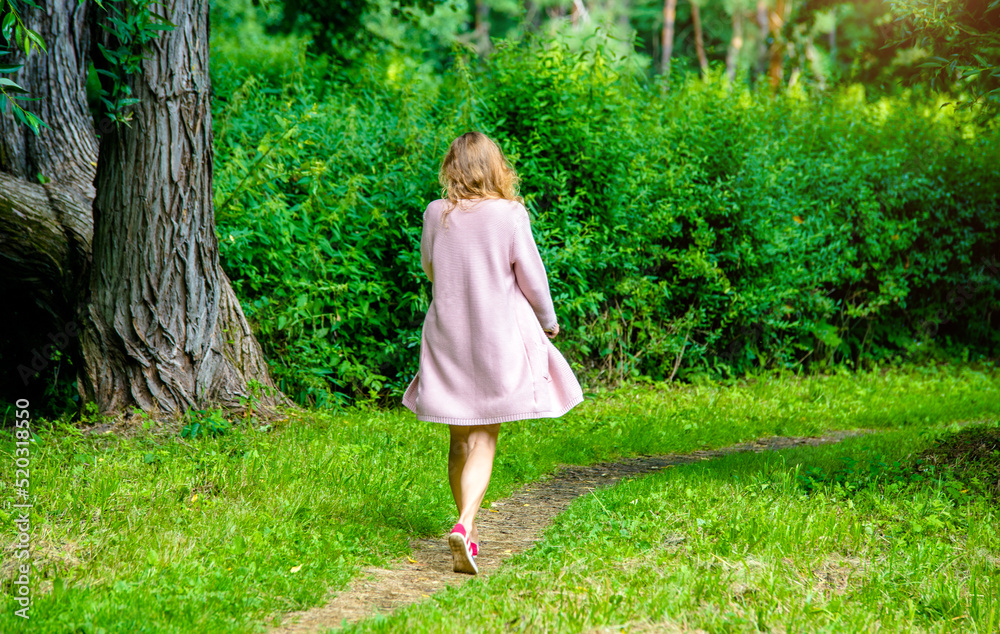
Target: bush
[{"x": 709, "y": 230}]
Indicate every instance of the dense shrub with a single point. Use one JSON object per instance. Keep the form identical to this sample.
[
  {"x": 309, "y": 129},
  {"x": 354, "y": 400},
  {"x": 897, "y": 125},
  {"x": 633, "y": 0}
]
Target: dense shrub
[{"x": 708, "y": 230}]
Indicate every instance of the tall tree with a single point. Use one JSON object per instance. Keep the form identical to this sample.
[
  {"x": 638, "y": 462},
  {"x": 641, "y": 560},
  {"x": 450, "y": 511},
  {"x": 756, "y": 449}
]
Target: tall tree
[
  {"x": 481, "y": 27},
  {"x": 735, "y": 44},
  {"x": 832, "y": 35},
  {"x": 699, "y": 40},
  {"x": 763, "y": 25},
  {"x": 160, "y": 326},
  {"x": 776, "y": 52},
  {"x": 164, "y": 328},
  {"x": 667, "y": 40},
  {"x": 46, "y": 191}
]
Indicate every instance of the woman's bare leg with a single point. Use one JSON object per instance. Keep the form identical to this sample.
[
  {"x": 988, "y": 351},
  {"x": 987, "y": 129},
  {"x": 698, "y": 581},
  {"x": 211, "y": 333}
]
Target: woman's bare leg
[
  {"x": 470, "y": 465},
  {"x": 458, "y": 451}
]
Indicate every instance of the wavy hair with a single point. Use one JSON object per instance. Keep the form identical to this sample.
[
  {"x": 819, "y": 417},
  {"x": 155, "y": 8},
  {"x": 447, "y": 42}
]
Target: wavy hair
[{"x": 475, "y": 167}]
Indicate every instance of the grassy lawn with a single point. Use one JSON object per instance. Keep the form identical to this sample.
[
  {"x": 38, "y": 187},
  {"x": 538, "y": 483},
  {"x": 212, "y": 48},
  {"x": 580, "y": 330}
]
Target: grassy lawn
[
  {"x": 164, "y": 533},
  {"x": 842, "y": 538}
]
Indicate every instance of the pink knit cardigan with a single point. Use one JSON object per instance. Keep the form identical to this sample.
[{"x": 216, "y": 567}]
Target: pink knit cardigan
[{"x": 484, "y": 357}]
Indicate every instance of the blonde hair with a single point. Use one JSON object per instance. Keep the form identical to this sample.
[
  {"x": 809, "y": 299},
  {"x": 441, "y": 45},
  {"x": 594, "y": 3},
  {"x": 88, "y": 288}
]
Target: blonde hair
[{"x": 475, "y": 167}]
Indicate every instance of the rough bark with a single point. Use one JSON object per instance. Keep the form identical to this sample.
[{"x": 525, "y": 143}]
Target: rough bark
[
  {"x": 65, "y": 151},
  {"x": 735, "y": 45},
  {"x": 164, "y": 330},
  {"x": 667, "y": 40},
  {"x": 45, "y": 233},
  {"x": 699, "y": 41},
  {"x": 46, "y": 229}
]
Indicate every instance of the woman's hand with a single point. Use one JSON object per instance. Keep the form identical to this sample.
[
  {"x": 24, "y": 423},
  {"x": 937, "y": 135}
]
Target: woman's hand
[{"x": 551, "y": 334}]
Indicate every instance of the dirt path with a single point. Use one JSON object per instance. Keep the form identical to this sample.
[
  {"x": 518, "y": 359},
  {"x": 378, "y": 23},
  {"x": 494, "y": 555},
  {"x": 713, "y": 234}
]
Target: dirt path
[{"x": 511, "y": 526}]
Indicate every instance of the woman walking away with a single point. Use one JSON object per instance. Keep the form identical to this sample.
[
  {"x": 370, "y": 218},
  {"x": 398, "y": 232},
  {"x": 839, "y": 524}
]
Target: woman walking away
[{"x": 485, "y": 354}]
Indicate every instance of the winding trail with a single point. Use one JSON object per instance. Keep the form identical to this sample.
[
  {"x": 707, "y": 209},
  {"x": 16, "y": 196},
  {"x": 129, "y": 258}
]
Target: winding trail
[{"x": 511, "y": 526}]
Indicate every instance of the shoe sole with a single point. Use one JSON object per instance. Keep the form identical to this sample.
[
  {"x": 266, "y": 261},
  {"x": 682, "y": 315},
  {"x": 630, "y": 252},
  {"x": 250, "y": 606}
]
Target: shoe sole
[{"x": 461, "y": 556}]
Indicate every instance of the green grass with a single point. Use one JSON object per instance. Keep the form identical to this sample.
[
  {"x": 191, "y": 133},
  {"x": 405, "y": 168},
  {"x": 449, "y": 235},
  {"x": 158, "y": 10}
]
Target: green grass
[
  {"x": 159, "y": 533},
  {"x": 738, "y": 545}
]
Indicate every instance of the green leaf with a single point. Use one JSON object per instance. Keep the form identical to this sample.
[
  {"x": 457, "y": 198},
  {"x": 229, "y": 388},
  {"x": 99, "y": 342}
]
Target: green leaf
[
  {"x": 11, "y": 85},
  {"x": 7, "y": 27},
  {"x": 111, "y": 56},
  {"x": 19, "y": 114},
  {"x": 10, "y": 69},
  {"x": 107, "y": 73},
  {"x": 34, "y": 122},
  {"x": 162, "y": 20},
  {"x": 37, "y": 39}
]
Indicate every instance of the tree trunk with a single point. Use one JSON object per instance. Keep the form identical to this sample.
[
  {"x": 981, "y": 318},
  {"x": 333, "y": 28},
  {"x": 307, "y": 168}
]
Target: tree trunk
[
  {"x": 762, "y": 29},
  {"x": 775, "y": 69},
  {"x": 532, "y": 17},
  {"x": 735, "y": 45},
  {"x": 832, "y": 40},
  {"x": 164, "y": 330},
  {"x": 699, "y": 42},
  {"x": 46, "y": 190},
  {"x": 481, "y": 30},
  {"x": 667, "y": 41}
]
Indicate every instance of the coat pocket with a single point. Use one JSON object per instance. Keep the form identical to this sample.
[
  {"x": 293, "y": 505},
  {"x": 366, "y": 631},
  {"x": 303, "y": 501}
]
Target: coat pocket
[
  {"x": 540, "y": 377},
  {"x": 536, "y": 351}
]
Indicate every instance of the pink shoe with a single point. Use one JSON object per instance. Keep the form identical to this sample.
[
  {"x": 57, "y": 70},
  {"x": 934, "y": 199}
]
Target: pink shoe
[{"x": 460, "y": 554}]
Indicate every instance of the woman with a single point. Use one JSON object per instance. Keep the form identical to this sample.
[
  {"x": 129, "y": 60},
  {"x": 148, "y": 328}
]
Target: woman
[{"x": 485, "y": 358}]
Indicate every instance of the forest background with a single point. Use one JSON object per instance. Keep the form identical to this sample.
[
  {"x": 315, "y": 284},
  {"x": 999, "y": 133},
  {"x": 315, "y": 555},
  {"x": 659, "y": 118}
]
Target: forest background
[{"x": 715, "y": 188}]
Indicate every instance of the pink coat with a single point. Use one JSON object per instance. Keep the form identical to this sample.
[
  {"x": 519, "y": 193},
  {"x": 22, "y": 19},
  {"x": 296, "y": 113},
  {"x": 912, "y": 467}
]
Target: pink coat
[{"x": 484, "y": 357}]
